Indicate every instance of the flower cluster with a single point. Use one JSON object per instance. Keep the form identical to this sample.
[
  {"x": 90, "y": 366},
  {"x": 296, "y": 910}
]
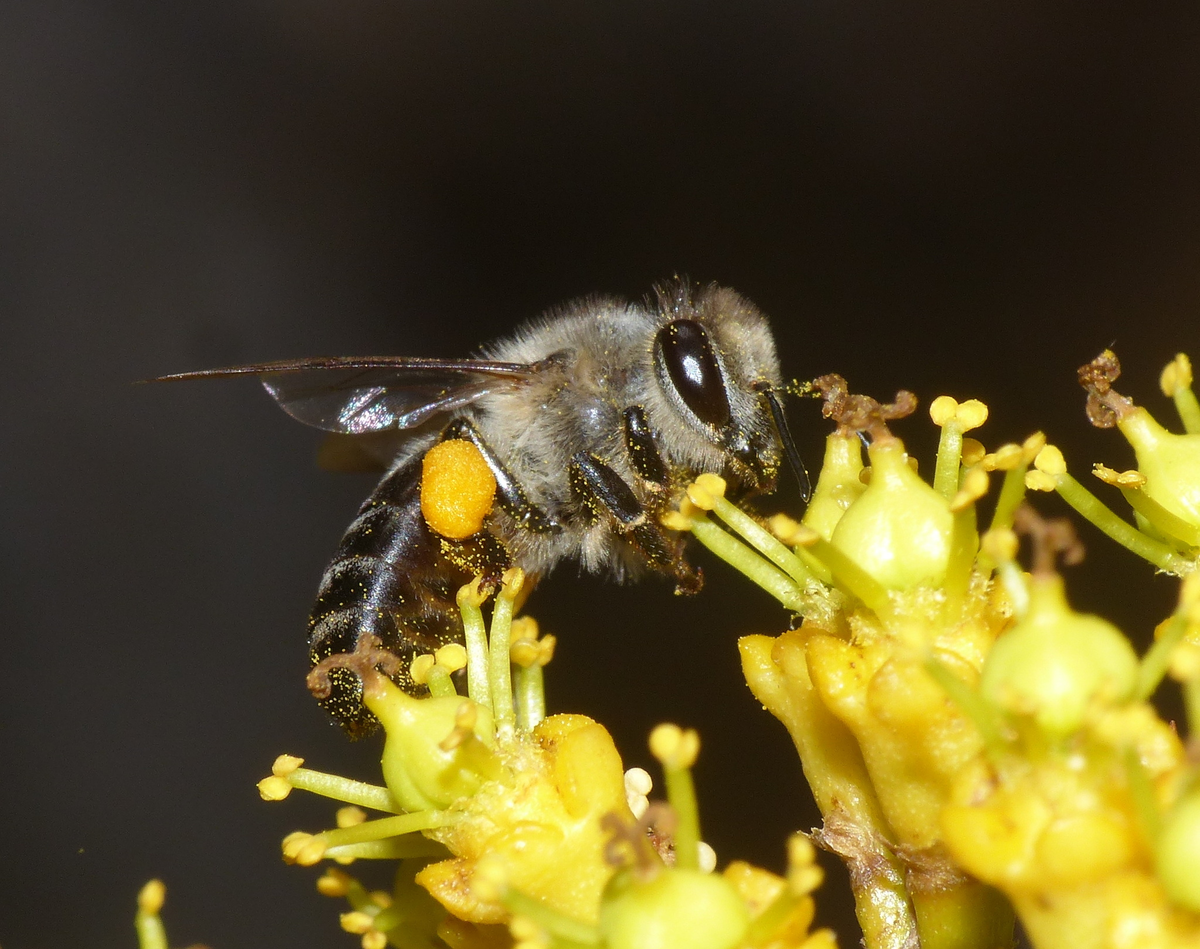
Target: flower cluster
[
  {"x": 513, "y": 828},
  {"x": 976, "y": 745},
  {"x": 980, "y": 751}
]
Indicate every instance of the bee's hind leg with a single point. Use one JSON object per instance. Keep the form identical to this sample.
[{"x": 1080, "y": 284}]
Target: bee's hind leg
[
  {"x": 605, "y": 493},
  {"x": 509, "y": 492}
]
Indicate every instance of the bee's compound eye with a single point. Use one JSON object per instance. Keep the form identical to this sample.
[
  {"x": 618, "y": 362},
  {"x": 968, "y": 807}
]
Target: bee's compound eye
[{"x": 685, "y": 354}]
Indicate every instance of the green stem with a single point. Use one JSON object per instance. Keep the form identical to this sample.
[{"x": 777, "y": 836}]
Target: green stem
[
  {"x": 963, "y": 538},
  {"x": 762, "y": 540},
  {"x": 440, "y": 683},
  {"x": 386, "y": 827},
  {"x": 971, "y": 915},
  {"x": 343, "y": 789},
  {"x": 949, "y": 460},
  {"x": 388, "y": 848},
  {"x": 565, "y": 930},
  {"x": 475, "y": 638},
  {"x": 500, "y": 661},
  {"x": 150, "y": 931},
  {"x": 1188, "y": 409},
  {"x": 746, "y": 561},
  {"x": 1191, "y": 704},
  {"x": 1162, "y": 519},
  {"x": 681, "y": 794},
  {"x": 1094, "y": 510},
  {"x": 1158, "y": 657},
  {"x": 530, "y": 695},
  {"x": 1012, "y": 493}
]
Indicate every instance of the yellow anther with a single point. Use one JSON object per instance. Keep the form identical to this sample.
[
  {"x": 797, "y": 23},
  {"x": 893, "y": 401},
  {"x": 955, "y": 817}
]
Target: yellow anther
[
  {"x": 274, "y": 788},
  {"x": 381, "y": 898},
  {"x": 333, "y": 883},
  {"x": 704, "y": 491},
  {"x": 973, "y": 452},
  {"x": 151, "y": 897},
  {"x": 453, "y": 656},
  {"x": 800, "y": 851},
  {"x": 546, "y": 646},
  {"x": 968, "y": 415},
  {"x": 292, "y": 844},
  {"x": 972, "y": 414},
  {"x": 285, "y": 765},
  {"x": 1051, "y": 461},
  {"x": 803, "y": 536},
  {"x": 374, "y": 940},
  {"x": 524, "y": 627},
  {"x": 942, "y": 410},
  {"x": 1032, "y": 445},
  {"x": 524, "y": 653},
  {"x": 312, "y": 852},
  {"x": 1000, "y": 545},
  {"x": 974, "y": 486},
  {"x": 419, "y": 668},
  {"x": 1039, "y": 481},
  {"x": 512, "y": 581},
  {"x": 471, "y": 594},
  {"x": 1119, "y": 479},
  {"x": 673, "y": 746},
  {"x": 638, "y": 781},
  {"x": 350, "y": 815},
  {"x": 784, "y": 528},
  {"x": 676, "y": 521},
  {"x": 1176, "y": 375},
  {"x": 1005, "y": 458},
  {"x": 357, "y": 922}
]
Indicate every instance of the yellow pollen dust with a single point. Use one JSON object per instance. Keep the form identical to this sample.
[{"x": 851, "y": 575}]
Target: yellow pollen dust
[{"x": 457, "y": 489}]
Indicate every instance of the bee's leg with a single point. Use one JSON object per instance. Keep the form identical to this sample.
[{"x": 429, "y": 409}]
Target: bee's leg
[
  {"x": 512, "y": 498},
  {"x": 640, "y": 446},
  {"x": 605, "y": 493}
]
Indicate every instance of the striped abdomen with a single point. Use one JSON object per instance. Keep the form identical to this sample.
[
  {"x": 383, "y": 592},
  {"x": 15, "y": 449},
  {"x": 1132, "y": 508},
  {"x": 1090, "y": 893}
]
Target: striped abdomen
[{"x": 394, "y": 578}]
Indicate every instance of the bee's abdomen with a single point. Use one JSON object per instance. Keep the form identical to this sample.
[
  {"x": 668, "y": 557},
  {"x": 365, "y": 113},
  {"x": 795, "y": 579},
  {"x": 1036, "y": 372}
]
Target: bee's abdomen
[{"x": 390, "y": 578}]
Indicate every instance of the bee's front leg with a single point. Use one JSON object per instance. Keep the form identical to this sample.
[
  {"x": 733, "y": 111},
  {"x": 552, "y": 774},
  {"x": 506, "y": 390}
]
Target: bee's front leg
[
  {"x": 512, "y": 497},
  {"x": 605, "y": 494}
]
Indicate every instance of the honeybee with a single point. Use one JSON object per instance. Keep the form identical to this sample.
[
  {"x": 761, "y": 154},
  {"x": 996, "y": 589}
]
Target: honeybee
[{"x": 592, "y": 419}]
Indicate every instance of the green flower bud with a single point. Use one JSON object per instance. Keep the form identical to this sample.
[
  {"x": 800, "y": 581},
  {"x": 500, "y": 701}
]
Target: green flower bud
[
  {"x": 1056, "y": 664},
  {"x": 421, "y": 768},
  {"x": 1177, "y": 856},
  {"x": 1169, "y": 462},
  {"x": 676, "y": 909},
  {"x": 899, "y": 529}
]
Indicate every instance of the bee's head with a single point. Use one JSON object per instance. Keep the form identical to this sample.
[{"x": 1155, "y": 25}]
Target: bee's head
[{"x": 715, "y": 365}]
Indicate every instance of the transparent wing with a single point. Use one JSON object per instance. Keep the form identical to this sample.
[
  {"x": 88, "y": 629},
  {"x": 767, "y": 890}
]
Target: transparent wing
[{"x": 352, "y": 395}]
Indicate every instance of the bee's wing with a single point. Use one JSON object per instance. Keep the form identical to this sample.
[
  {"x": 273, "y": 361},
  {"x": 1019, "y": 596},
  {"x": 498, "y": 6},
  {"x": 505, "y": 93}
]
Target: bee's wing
[{"x": 353, "y": 395}]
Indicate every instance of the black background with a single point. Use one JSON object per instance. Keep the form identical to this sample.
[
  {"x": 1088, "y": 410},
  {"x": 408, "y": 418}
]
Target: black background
[{"x": 962, "y": 198}]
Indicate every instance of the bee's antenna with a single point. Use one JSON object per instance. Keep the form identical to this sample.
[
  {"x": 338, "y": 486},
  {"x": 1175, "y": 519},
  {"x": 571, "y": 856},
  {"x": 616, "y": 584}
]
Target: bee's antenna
[{"x": 785, "y": 437}]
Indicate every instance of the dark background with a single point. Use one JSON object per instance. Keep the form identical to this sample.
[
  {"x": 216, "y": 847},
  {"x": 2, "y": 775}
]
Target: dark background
[{"x": 962, "y": 198}]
